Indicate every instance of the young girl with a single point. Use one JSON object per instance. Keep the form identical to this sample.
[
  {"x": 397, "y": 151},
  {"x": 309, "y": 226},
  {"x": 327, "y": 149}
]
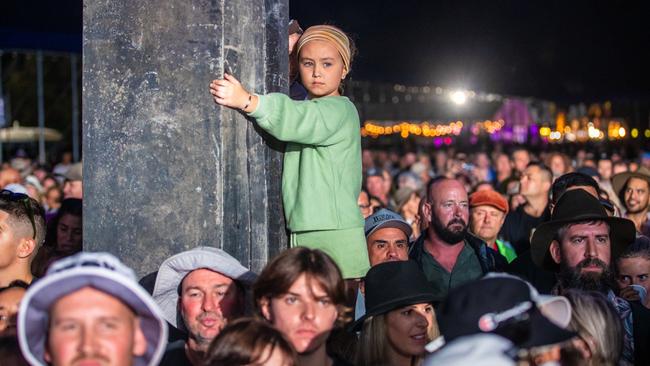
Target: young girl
[{"x": 321, "y": 179}]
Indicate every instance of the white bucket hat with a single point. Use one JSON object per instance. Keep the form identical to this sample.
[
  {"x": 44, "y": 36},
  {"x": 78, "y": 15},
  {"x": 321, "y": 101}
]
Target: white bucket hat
[
  {"x": 173, "y": 270},
  {"x": 103, "y": 272}
]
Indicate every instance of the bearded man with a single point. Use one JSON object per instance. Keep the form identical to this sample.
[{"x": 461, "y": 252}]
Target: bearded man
[
  {"x": 580, "y": 244},
  {"x": 446, "y": 252}
]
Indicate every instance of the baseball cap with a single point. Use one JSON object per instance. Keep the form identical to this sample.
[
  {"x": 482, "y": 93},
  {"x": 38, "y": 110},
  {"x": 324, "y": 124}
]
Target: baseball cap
[
  {"x": 375, "y": 172},
  {"x": 385, "y": 218},
  {"x": 499, "y": 305}
]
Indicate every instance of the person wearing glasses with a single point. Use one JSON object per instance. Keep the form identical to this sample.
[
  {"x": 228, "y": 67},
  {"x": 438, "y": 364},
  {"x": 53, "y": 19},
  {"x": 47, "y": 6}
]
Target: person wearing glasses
[{"x": 22, "y": 231}]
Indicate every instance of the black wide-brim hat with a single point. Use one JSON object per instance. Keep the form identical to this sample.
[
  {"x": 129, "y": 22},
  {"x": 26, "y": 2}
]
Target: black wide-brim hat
[
  {"x": 578, "y": 206},
  {"x": 392, "y": 285}
]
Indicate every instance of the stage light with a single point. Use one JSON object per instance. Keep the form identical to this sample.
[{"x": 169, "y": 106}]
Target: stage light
[{"x": 459, "y": 97}]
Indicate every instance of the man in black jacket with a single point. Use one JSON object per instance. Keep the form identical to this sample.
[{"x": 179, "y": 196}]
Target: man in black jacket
[{"x": 447, "y": 254}]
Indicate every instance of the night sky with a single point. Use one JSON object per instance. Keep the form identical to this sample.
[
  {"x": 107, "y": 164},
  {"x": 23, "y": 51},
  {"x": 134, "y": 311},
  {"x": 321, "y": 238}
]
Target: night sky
[{"x": 560, "y": 50}]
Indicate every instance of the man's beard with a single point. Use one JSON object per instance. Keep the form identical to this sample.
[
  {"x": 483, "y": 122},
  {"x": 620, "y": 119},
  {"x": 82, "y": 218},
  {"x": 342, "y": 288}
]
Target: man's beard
[
  {"x": 587, "y": 281},
  {"x": 448, "y": 235},
  {"x": 639, "y": 210}
]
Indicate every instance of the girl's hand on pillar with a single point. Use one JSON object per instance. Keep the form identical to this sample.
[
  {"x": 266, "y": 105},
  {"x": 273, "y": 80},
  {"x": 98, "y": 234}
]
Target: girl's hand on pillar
[{"x": 229, "y": 92}]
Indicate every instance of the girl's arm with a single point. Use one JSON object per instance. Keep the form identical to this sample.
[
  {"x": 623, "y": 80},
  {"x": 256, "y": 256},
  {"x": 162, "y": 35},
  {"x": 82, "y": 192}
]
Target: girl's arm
[{"x": 318, "y": 122}]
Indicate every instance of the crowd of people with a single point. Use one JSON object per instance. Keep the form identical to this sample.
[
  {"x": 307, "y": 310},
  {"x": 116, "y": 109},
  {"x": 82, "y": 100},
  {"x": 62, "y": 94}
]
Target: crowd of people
[
  {"x": 464, "y": 268},
  {"x": 447, "y": 258}
]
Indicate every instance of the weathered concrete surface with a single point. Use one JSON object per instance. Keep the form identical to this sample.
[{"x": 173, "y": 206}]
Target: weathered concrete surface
[{"x": 165, "y": 169}]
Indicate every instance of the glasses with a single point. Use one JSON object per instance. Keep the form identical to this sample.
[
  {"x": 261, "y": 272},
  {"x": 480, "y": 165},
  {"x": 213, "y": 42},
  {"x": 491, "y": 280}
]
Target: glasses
[{"x": 10, "y": 196}]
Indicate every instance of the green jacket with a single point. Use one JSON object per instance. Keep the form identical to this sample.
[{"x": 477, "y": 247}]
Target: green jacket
[{"x": 321, "y": 177}]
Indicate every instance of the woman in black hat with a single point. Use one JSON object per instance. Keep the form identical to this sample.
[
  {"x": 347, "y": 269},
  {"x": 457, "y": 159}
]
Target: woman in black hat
[{"x": 399, "y": 319}]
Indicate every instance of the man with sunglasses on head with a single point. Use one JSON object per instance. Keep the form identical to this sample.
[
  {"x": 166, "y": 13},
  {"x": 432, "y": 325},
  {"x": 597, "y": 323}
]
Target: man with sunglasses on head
[{"x": 22, "y": 231}]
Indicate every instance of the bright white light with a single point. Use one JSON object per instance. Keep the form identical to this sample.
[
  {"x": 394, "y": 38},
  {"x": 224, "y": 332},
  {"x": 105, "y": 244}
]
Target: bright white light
[{"x": 459, "y": 97}]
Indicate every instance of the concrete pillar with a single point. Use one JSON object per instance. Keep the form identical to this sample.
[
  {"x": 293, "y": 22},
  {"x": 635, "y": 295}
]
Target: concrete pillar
[{"x": 165, "y": 169}]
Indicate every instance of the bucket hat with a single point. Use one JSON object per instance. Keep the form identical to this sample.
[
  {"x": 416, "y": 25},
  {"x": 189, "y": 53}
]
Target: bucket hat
[
  {"x": 498, "y": 305},
  {"x": 103, "y": 272},
  {"x": 392, "y": 285},
  {"x": 174, "y": 269},
  {"x": 578, "y": 206}
]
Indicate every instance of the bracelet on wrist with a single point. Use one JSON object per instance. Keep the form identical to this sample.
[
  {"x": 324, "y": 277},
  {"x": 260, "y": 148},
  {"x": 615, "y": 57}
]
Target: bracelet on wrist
[{"x": 250, "y": 98}]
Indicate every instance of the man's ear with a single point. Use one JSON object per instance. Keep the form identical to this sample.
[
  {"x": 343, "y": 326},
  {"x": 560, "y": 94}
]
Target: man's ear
[
  {"x": 426, "y": 209},
  {"x": 26, "y": 247},
  {"x": 555, "y": 251},
  {"x": 139, "y": 340},
  {"x": 265, "y": 307}
]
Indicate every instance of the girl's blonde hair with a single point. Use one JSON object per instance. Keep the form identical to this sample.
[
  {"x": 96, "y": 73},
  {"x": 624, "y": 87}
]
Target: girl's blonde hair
[{"x": 598, "y": 324}]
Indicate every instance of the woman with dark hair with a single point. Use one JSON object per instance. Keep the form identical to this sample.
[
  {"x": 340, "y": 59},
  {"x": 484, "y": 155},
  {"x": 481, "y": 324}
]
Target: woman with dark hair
[
  {"x": 63, "y": 238},
  {"x": 302, "y": 294},
  {"x": 249, "y": 341}
]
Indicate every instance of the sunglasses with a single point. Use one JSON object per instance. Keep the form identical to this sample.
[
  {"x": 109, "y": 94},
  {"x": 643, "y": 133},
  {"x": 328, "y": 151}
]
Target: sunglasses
[{"x": 10, "y": 196}]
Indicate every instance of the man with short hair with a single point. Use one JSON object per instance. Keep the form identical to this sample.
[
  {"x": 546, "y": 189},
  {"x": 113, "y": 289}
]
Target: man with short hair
[
  {"x": 447, "y": 254},
  {"x": 199, "y": 292},
  {"x": 387, "y": 236},
  {"x": 520, "y": 160},
  {"x": 633, "y": 189},
  {"x": 580, "y": 244},
  {"x": 535, "y": 184},
  {"x": 89, "y": 309},
  {"x": 488, "y": 210},
  {"x": 22, "y": 232},
  {"x": 73, "y": 185}
]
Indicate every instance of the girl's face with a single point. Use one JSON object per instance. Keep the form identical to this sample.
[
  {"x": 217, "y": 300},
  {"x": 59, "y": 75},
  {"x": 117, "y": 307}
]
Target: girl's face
[
  {"x": 305, "y": 314},
  {"x": 408, "y": 329},
  {"x": 321, "y": 69}
]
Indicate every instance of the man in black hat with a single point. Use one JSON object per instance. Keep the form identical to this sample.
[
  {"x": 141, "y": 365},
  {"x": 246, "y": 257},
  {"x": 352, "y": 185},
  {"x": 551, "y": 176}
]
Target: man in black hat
[
  {"x": 579, "y": 244},
  {"x": 447, "y": 254}
]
